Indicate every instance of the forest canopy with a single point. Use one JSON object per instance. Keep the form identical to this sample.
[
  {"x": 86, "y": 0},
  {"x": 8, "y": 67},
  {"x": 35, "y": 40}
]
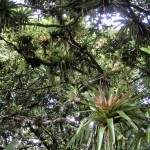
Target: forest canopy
[{"x": 75, "y": 75}]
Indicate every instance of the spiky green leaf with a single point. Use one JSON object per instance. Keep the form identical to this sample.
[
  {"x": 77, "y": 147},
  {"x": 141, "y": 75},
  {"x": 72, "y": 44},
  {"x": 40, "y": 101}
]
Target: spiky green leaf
[
  {"x": 146, "y": 49},
  {"x": 101, "y": 130},
  {"x": 110, "y": 124},
  {"x": 124, "y": 116},
  {"x": 148, "y": 135}
]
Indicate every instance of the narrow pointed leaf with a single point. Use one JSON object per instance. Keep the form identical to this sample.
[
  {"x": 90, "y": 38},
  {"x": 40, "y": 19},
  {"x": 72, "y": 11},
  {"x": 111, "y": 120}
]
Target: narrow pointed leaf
[
  {"x": 101, "y": 130},
  {"x": 110, "y": 100},
  {"x": 125, "y": 96},
  {"x": 102, "y": 94},
  {"x": 139, "y": 143},
  {"x": 148, "y": 135},
  {"x": 90, "y": 137},
  {"x": 124, "y": 116},
  {"x": 146, "y": 49},
  {"x": 111, "y": 129},
  {"x": 90, "y": 104},
  {"x": 92, "y": 108},
  {"x": 83, "y": 123},
  {"x": 98, "y": 101}
]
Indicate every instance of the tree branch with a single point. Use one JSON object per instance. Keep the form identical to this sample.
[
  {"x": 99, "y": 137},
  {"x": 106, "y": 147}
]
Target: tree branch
[
  {"x": 54, "y": 25},
  {"x": 41, "y": 7},
  {"x": 84, "y": 51},
  {"x": 9, "y": 43},
  {"x": 142, "y": 76},
  {"x": 140, "y": 9}
]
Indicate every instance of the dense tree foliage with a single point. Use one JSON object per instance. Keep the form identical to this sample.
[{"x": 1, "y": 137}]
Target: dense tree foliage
[{"x": 75, "y": 74}]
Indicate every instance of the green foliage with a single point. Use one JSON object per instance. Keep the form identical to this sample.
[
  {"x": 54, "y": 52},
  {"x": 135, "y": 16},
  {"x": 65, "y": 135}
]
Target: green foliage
[
  {"x": 100, "y": 131},
  {"x": 110, "y": 111},
  {"x": 12, "y": 146},
  {"x": 54, "y": 55},
  {"x": 146, "y": 50},
  {"x": 148, "y": 135},
  {"x": 79, "y": 137}
]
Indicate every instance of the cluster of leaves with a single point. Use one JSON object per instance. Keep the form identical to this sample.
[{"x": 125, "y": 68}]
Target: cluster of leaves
[
  {"x": 52, "y": 53},
  {"x": 114, "y": 115}
]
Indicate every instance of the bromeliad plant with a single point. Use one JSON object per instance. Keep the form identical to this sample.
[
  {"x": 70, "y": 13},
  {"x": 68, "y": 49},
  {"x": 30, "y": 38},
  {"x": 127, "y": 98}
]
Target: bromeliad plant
[{"x": 113, "y": 122}]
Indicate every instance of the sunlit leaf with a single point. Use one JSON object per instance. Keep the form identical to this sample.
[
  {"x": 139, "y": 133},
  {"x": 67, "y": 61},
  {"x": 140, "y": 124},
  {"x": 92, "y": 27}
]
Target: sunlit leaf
[
  {"x": 139, "y": 143},
  {"x": 101, "y": 130},
  {"x": 148, "y": 135},
  {"x": 111, "y": 129},
  {"x": 146, "y": 49},
  {"x": 124, "y": 116}
]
